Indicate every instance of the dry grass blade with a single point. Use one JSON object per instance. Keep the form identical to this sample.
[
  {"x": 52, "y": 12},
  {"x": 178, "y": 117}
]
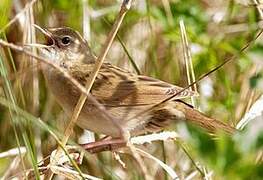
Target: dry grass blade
[
  {"x": 39, "y": 123},
  {"x": 86, "y": 20},
  {"x": 167, "y": 168},
  {"x": 32, "y": 39},
  {"x": 188, "y": 60},
  {"x": 255, "y": 111},
  {"x": 257, "y": 4},
  {"x": 87, "y": 36},
  {"x": 196, "y": 164},
  {"x": 13, "y": 152},
  {"x": 192, "y": 175},
  {"x": 71, "y": 174},
  {"x": 102, "y": 12},
  {"x": 163, "y": 136},
  {"x": 12, "y": 167},
  {"x": 168, "y": 12},
  {"x": 13, "y": 114},
  {"x": 62, "y": 169},
  {"x": 17, "y": 76},
  {"x": 189, "y": 67},
  {"x": 35, "y": 104},
  {"x": 136, "y": 68}
]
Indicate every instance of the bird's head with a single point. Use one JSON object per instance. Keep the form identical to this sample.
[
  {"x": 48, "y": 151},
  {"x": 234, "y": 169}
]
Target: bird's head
[{"x": 65, "y": 44}]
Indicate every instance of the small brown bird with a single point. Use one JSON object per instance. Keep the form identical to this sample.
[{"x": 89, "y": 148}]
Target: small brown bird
[{"x": 122, "y": 93}]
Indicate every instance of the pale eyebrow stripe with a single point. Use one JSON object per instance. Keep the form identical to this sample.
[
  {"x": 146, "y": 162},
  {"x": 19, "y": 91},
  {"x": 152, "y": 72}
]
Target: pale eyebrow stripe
[{"x": 77, "y": 41}]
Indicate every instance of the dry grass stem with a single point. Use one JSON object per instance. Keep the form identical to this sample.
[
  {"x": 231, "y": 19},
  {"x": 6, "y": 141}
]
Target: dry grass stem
[
  {"x": 12, "y": 167},
  {"x": 167, "y": 168},
  {"x": 192, "y": 175},
  {"x": 257, "y": 3},
  {"x": 13, "y": 152},
  {"x": 118, "y": 159},
  {"x": 87, "y": 36},
  {"x": 102, "y": 12},
  {"x": 168, "y": 12},
  {"x": 188, "y": 61},
  {"x": 162, "y": 136},
  {"x": 255, "y": 111},
  {"x": 71, "y": 174},
  {"x": 86, "y": 20}
]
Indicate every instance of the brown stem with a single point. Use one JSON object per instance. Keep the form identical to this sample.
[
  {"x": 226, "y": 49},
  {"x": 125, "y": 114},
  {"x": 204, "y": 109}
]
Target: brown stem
[{"x": 104, "y": 145}]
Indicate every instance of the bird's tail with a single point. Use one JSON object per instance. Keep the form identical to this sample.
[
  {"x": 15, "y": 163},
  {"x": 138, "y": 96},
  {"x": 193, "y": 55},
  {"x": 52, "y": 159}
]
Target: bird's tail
[{"x": 212, "y": 125}]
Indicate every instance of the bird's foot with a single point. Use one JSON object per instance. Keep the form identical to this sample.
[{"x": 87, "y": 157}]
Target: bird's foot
[{"x": 105, "y": 144}]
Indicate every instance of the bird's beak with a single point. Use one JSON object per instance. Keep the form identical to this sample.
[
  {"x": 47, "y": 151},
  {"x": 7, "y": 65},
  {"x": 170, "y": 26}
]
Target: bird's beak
[{"x": 48, "y": 35}]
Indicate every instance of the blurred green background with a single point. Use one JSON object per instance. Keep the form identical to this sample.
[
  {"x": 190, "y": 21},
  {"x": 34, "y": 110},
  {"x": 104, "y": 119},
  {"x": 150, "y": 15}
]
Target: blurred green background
[{"x": 150, "y": 33}]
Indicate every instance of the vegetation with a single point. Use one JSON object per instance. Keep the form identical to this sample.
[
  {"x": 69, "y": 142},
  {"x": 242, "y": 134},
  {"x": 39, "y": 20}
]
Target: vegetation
[{"x": 150, "y": 38}]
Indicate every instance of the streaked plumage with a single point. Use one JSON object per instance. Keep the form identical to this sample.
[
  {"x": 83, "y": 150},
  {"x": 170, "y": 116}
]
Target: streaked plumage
[{"x": 123, "y": 93}]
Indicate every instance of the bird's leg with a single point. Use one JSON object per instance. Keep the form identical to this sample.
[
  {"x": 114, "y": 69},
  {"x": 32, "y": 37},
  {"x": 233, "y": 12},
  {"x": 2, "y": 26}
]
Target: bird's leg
[{"x": 105, "y": 144}]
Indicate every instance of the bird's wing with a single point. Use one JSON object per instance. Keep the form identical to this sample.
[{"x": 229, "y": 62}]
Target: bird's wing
[{"x": 117, "y": 87}]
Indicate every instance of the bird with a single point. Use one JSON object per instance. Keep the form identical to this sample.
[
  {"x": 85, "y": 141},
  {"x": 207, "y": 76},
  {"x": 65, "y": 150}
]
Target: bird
[{"x": 123, "y": 94}]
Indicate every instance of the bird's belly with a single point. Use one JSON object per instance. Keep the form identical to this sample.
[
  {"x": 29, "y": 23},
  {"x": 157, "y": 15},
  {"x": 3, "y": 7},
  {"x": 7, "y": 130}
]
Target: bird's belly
[
  {"x": 96, "y": 121},
  {"x": 92, "y": 118}
]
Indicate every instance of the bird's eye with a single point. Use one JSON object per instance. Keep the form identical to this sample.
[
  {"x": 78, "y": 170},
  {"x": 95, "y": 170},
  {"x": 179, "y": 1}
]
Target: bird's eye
[{"x": 66, "y": 40}]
